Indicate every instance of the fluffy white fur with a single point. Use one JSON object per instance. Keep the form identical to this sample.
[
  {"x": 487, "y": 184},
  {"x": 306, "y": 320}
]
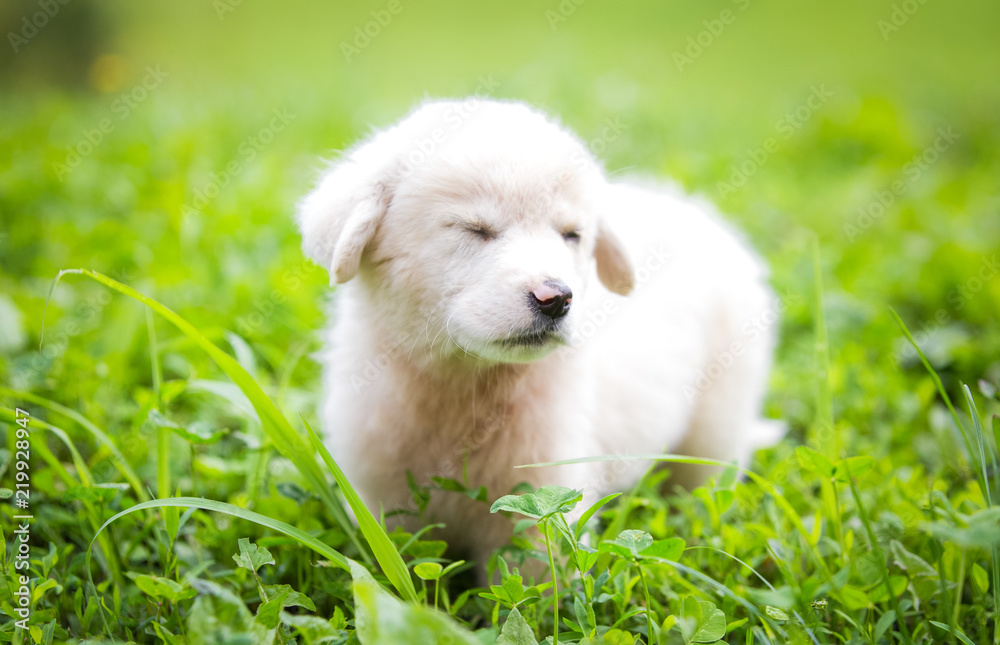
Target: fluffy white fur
[{"x": 437, "y": 229}]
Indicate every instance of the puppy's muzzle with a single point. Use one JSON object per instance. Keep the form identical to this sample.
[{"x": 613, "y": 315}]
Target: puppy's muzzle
[{"x": 552, "y": 299}]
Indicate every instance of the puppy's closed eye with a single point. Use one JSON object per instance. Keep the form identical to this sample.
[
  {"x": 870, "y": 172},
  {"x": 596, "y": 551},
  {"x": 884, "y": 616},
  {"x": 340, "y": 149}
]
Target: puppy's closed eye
[
  {"x": 476, "y": 228},
  {"x": 481, "y": 231},
  {"x": 572, "y": 236}
]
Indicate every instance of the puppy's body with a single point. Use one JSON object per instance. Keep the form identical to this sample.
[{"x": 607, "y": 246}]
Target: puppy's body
[{"x": 438, "y": 360}]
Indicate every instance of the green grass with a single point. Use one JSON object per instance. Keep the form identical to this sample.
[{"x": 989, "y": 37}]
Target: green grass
[{"x": 176, "y": 404}]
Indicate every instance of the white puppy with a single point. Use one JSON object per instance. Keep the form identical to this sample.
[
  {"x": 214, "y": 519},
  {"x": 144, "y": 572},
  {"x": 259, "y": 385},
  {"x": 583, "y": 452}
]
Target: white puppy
[{"x": 504, "y": 303}]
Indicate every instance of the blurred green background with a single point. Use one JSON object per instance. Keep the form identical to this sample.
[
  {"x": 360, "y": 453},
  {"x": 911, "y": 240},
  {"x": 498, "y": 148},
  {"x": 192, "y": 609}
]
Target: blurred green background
[{"x": 133, "y": 143}]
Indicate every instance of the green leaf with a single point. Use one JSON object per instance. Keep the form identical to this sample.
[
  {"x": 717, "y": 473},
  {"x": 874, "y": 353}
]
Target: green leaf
[
  {"x": 615, "y": 637},
  {"x": 911, "y": 562},
  {"x": 982, "y": 530},
  {"x": 252, "y": 557},
  {"x": 586, "y": 557},
  {"x": 713, "y": 626},
  {"x": 292, "y": 598},
  {"x": 897, "y": 583},
  {"x": 854, "y": 598},
  {"x": 691, "y": 613},
  {"x": 156, "y": 418},
  {"x": 514, "y": 588},
  {"x": 201, "y": 432},
  {"x": 166, "y": 635},
  {"x": 428, "y": 570},
  {"x": 724, "y": 498},
  {"x": 268, "y": 612},
  {"x": 669, "y": 549},
  {"x": 701, "y": 621},
  {"x": 980, "y": 579},
  {"x": 39, "y": 590},
  {"x": 814, "y": 461},
  {"x": 922, "y": 575},
  {"x": 546, "y": 501},
  {"x": 219, "y": 616},
  {"x": 665, "y": 628},
  {"x": 314, "y": 630},
  {"x": 511, "y": 591},
  {"x": 727, "y": 479},
  {"x": 883, "y": 624},
  {"x": 858, "y": 467},
  {"x": 455, "y": 486},
  {"x": 164, "y": 588},
  {"x": 293, "y": 491},
  {"x": 628, "y": 544},
  {"x": 586, "y": 620},
  {"x": 516, "y": 631}
]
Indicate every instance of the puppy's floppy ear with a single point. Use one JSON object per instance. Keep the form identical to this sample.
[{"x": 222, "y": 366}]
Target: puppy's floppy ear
[
  {"x": 339, "y": 218},
  {"x": 614, "y": 267},
  {"x": 357, "y": 233}
]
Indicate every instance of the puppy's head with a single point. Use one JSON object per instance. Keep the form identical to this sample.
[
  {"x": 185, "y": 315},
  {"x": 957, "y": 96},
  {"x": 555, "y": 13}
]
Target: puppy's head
[{"x": 471, "y": 230}]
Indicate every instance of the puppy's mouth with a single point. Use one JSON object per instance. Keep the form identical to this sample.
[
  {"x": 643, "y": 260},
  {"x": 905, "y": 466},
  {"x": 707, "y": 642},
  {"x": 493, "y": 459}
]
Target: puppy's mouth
[{"x": 528, "y": 339}]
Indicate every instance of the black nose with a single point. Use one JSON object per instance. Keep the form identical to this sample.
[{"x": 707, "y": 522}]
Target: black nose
[{"x": 552, "y": 298}]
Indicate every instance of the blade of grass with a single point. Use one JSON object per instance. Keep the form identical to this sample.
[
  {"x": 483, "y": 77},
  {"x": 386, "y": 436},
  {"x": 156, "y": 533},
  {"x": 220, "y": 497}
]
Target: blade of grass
[
  {"x": 83, "y": 473},
  {"x": 857, "y": 626},
  {"x": 547, "y": 532},
  {"x": 981, "y": 439},
  {"x": 229, "y": 509},
  {"x": 162, "y": 434},
  {"x": 53, "y": 462},
  {"x": 285, "y": 438},
  {"x": 994, "y": 555},
  {"x": 937, "y": 383},
  {"x": 385, "y": 552},
  {"x": 288, "y": 369},
  {"x": 879, "y": 555},
  {"x": 979, "y": 466},
  {"x": 825, "y": 435},
  {"x": 120, "y": 462},
  {"x": 589, "y": 513},
  {"x": 219, "y": 507},
  {"x": 945, "y": 605},
  {"x": 154, "y": 354},
  {"x": 825, "y": 439},
  {"x": 415, "y": 537},
  {"x": 953, "y": 631}
]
